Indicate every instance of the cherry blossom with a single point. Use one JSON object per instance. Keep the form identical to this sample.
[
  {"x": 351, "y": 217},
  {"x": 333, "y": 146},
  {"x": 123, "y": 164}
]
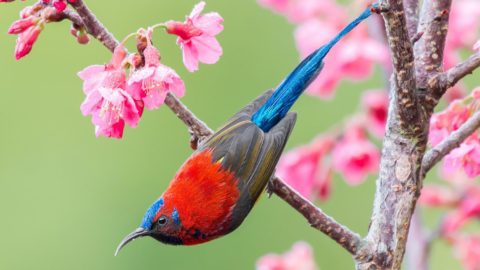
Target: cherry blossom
[
  {"x": 447, "y": 121},
  {"x": 467, "y": 249},
  {"x": 300, "y": 257},
  {"x": 197, "y": 37},
  {"x": 307, "y": 169},
  {"x": 355, "y": 157},
  {"x": 438, "y": 196},
  {"x": 152, "y": 82},
  {"x": 375, "y": 105},
  {"x": 106, "y": 99}
]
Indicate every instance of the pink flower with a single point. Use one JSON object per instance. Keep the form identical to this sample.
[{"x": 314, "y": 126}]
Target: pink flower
[
  {"x": 463, "y": 22},
  {"x": 25, "y": 41},
  {"x": 196, "y": 37},
  {"x": 467, "y": 208},
  {"x": 352, "y": 58},
  {"x": 300, "y": 257},
  {"x": 23, "y": 24},
  {"x": 444, "y": 123},
  {"x": 298, "y": 11},
  {"x": 438, "y": 196},
  {"x": 306, "y": 169},
  {"x": 455, "y": 92},
  {"x": 467, "y": 156},
  {"x": 28, "y": 28},
  {"x": 355, "y": 157},
  {"x": 152, "y": 82},
  {"x": 280, "y": 6},
  {"x": 60, "y": 5},
  {"x": 375, "y": 104},
  {"x": 467, "y": 249},
  {"x": 106, "y": 99}
]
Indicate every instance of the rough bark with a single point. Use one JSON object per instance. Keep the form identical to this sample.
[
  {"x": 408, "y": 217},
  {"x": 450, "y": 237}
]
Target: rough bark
[{"x": 404, "y": 144}]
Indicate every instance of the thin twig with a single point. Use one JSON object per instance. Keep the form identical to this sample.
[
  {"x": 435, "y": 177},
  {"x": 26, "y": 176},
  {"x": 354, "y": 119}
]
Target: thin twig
[
  {"x": 93, "y": 26},
  {"x": 196, "y": 126},
  {"x": 316, "y": 217},
  {"x": 453, "y": 75},
  {"x": 339, "y": 233},
  {"x": 454, "y": 140},
  {"x": 56, "y": 16}
]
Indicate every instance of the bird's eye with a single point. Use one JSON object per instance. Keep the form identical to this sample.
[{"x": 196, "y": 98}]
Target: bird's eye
[{"x": 162, "y": 220}]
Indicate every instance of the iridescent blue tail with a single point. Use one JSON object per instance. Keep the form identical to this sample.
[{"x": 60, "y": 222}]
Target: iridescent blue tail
[{"x": 277, "y": 106}]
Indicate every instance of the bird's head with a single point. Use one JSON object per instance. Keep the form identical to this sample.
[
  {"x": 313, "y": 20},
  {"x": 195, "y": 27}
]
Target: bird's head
[{"x": 161, "y": 221}]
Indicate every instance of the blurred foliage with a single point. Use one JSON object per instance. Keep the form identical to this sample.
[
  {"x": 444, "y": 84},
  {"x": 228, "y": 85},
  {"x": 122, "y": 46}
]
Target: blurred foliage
[{"x": 68, "y": 198}]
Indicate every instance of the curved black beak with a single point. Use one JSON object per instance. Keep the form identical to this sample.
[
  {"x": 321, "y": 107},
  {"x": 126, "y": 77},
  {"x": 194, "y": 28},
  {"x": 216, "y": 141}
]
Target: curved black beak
[{"x": 140, "y": 232}]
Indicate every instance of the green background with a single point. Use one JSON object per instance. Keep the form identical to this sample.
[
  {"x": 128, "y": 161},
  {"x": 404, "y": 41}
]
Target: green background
[{"x": 67, "y": 198}]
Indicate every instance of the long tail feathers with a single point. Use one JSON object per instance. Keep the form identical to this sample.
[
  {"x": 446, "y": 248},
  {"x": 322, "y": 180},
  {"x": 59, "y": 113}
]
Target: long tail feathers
[{"x": 298, "y": 80}]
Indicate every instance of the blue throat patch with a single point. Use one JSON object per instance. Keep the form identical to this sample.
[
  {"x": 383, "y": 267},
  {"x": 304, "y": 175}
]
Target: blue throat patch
[
  {"x": 175, "y": 216},
  {"x": 150, "y": 214}
]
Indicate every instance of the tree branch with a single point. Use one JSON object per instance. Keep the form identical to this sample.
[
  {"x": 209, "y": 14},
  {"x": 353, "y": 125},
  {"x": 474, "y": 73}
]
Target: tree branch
[
  {"x": 429, "y": 49},
  {"x": 433, "y": 156},
  {"x": 418, "y": 244},
  {"x": 411, "y": 10},
  {"x": 404, "y": 144},
  {"x": 403, "y": 63},
  {"x": 93, "y": 26},
  {"x": 315, "y": 216},
  {"x": 453, "y": 75},
  {"x": 199, "y": 130}
]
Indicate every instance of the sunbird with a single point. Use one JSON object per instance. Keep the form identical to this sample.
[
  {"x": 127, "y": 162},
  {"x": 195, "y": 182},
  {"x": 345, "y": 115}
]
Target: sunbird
[{"x": 215, "y": 189}]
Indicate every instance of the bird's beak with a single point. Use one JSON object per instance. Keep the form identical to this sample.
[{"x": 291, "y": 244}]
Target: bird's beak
[{"x": 140, "y": 232}]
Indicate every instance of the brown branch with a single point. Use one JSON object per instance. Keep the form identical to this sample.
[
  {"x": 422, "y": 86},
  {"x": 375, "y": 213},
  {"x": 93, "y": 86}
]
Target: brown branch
[
  {"x": 453, "y": 75},
  {"x": 411, "y": 13},
  {"x": 315, "y": 216},
  {"x": 199, "y": 130},
  {"x": 404, "y": 144},
  {"x": 453, "y": 141},
  {"x": 54, "y": 16},
  {"x": 403, "y": 63},
  {"x": 429, "y": 50},
  {"x": 93, "y": 26}
]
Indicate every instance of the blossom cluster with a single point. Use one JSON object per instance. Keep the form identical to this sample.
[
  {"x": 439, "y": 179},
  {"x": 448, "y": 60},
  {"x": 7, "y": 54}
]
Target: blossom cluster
[
  {"x": 464, "y": 21},
  {"x": 113, "y": 99},
  {"x": 117, "y": 92},
  {"x": 467, "y": 156},
  {"x": 459, "y": 195},
  {"x": 316, "y": 23}
]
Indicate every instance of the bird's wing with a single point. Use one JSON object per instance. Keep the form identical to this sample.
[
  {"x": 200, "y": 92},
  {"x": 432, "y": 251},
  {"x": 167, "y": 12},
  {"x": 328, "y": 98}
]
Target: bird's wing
[{"x": 248, "y": 152}]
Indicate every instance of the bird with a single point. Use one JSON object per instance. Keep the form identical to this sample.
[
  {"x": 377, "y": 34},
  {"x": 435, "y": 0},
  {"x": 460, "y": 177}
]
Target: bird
[{"x": 217, "y": 186}]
